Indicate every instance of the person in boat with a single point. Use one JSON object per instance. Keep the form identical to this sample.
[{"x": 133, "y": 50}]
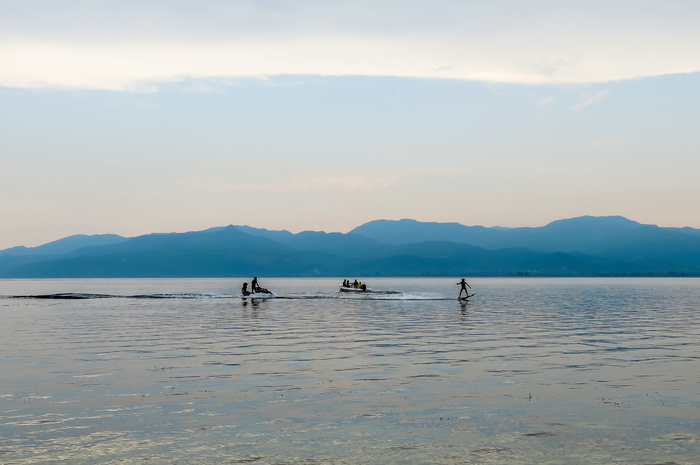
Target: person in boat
[
  {"x": 355, "y": 284},
  {"x": 244, "y": 290},
  {"x": 256, "y": 289},
  {"x": 363, "y": 287},
  {"x": 463, "y": 287}
]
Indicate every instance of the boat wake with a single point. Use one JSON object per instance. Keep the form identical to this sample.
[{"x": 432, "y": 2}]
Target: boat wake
[
  {"x": 260, "y": 295},
  {"x": 79, "y": 295},
  {"x": 390, "y": 295},
  {"x": 373, "y": 296}
]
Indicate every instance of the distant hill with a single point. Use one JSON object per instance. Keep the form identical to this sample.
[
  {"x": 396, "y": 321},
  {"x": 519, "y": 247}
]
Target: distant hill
[
  {"x": 18, "y": 257},
  {"x": 217, "y": 252},
  {"x": 409, "y": 231},
  {"x": 584, "y": 246},
  {"x": 65, "y": 245},
  {"x": 345, "y": 245},
  {"x": 586, "y": 234}
]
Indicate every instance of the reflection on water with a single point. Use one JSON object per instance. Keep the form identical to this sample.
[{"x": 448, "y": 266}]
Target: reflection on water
[{"x": 529, "y": 371}]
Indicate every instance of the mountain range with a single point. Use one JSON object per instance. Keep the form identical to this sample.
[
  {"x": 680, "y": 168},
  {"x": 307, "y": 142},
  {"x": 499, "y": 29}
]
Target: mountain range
[{"x": 583, "y": 246}]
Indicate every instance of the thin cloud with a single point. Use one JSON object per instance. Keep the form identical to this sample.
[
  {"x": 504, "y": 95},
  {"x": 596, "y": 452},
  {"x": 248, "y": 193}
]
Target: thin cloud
[
  {"x": 130, "y": 45},
  {"x": 544, "y": 101},
  {"x": 313, "y": 183},
  {"x": 589, "y": 99}
]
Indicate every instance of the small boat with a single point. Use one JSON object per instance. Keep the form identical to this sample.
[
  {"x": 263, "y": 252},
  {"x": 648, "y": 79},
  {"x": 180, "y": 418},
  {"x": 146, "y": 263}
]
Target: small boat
[
  {"x": 353, "y": 288},
  {"x": 258, "y": 292}
]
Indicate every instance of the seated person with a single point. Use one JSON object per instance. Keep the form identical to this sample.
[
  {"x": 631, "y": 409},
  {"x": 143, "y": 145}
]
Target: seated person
[{"x": 244, "y": 290}]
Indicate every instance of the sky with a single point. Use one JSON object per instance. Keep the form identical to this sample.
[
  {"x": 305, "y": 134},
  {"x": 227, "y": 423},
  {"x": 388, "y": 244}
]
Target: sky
[{"x": 132, "y": 117}]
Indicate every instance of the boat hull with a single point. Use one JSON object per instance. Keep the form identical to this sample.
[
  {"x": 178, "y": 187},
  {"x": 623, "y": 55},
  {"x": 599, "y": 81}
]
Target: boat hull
[{"x": 352, "y": 289}]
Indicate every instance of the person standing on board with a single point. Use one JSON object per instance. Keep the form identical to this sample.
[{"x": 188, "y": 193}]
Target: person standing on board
[
  {"x": 463, "y": 287},
  {"x": 254, "y": 285}
]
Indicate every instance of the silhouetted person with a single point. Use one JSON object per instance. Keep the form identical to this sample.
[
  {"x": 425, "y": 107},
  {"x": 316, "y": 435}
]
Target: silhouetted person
[
  {"x": 245, "y": 291},
  {"x": 463, "y": 287},
  {"x": 254, "y": 285}
]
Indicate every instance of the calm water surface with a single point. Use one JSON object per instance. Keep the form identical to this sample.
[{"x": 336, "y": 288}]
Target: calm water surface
[{"x": 529, "y": 371}]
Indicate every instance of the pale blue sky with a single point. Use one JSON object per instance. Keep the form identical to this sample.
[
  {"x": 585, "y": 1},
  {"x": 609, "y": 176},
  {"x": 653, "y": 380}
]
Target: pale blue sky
[{"x": 117, "y": 117}]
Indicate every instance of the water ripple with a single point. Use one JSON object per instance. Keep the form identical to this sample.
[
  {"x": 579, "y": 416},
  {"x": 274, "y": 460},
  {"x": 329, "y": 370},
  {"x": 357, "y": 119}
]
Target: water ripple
[{"x": 529, "y": 371}]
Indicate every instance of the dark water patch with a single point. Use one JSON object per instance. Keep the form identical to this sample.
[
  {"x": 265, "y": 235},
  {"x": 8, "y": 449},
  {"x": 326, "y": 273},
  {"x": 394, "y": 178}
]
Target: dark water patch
[
  {"x": 86, "y": 296},
  {"x": 194, "y": 295},
  {"x": 65, "y": 295},
  {"x": 490, "y": 450}
]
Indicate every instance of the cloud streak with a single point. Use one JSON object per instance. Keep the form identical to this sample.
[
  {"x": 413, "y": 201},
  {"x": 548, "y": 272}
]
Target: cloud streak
[
  {"x": 129, "y": 46},
  {"x": 589, "y": 99},
  {"x": 312, "y": 183}
]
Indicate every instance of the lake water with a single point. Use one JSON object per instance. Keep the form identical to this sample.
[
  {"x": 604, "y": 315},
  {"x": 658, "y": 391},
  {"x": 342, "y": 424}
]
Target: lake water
[{"x": 528, "y": 371}]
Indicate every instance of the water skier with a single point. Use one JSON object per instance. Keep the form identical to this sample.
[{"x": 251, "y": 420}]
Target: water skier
[{"x": 463, "y": 287}]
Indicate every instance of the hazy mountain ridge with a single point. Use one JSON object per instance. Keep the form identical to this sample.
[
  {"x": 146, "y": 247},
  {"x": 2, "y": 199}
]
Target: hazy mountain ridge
[
  {"x": 65, "y": 245},
  {"x": 584, "y": 246}
]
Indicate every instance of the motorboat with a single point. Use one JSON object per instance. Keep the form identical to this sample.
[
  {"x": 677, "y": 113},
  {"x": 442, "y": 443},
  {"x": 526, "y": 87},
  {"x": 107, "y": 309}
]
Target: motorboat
[{"x": 353, "y": 288}]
